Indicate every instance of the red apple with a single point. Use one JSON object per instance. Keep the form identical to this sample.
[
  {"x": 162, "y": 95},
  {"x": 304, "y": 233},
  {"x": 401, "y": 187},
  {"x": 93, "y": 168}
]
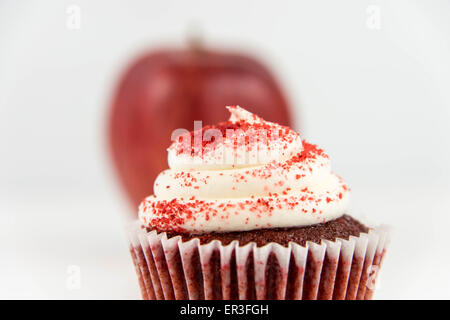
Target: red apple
[{"x": 169, "y": 89}]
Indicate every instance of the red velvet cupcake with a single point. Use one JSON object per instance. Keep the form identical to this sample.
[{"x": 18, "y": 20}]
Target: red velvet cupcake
[{"x": 248, "y": 210}]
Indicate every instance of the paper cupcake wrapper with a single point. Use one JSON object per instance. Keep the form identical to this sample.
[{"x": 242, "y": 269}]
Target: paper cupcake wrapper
[{"x": 170, "y": 269}]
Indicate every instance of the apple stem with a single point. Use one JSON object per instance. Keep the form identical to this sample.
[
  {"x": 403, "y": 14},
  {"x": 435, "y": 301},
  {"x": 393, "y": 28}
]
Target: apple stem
[{"x": 195, "y": 36}]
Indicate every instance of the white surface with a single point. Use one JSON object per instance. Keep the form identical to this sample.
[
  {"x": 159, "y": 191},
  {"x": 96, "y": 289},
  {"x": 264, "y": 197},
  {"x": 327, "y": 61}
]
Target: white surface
[{"x": 376, "y": 100}]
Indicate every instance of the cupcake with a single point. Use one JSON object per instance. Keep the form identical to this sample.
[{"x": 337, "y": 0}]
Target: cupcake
[{"x": 247, "y": 211}]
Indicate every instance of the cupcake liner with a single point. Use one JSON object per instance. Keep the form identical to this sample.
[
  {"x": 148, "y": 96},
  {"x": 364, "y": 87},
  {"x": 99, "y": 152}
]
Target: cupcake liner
[{"x": 172, "y": 269}]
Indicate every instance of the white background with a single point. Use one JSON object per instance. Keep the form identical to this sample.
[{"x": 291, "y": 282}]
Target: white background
[{"x": 376, "y": 99}]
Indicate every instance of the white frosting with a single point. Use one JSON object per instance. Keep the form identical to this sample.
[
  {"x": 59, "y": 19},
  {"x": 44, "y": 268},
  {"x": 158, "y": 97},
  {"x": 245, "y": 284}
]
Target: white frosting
[{"x": 288, "y": 183}]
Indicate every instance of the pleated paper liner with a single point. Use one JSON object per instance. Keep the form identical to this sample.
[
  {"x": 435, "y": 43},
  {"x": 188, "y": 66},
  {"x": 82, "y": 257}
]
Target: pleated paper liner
[{"x": 173, "y": 269}]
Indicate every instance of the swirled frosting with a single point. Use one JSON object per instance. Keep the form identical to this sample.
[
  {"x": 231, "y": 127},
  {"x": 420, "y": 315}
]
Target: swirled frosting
[{"x": 243, "y": 174}]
